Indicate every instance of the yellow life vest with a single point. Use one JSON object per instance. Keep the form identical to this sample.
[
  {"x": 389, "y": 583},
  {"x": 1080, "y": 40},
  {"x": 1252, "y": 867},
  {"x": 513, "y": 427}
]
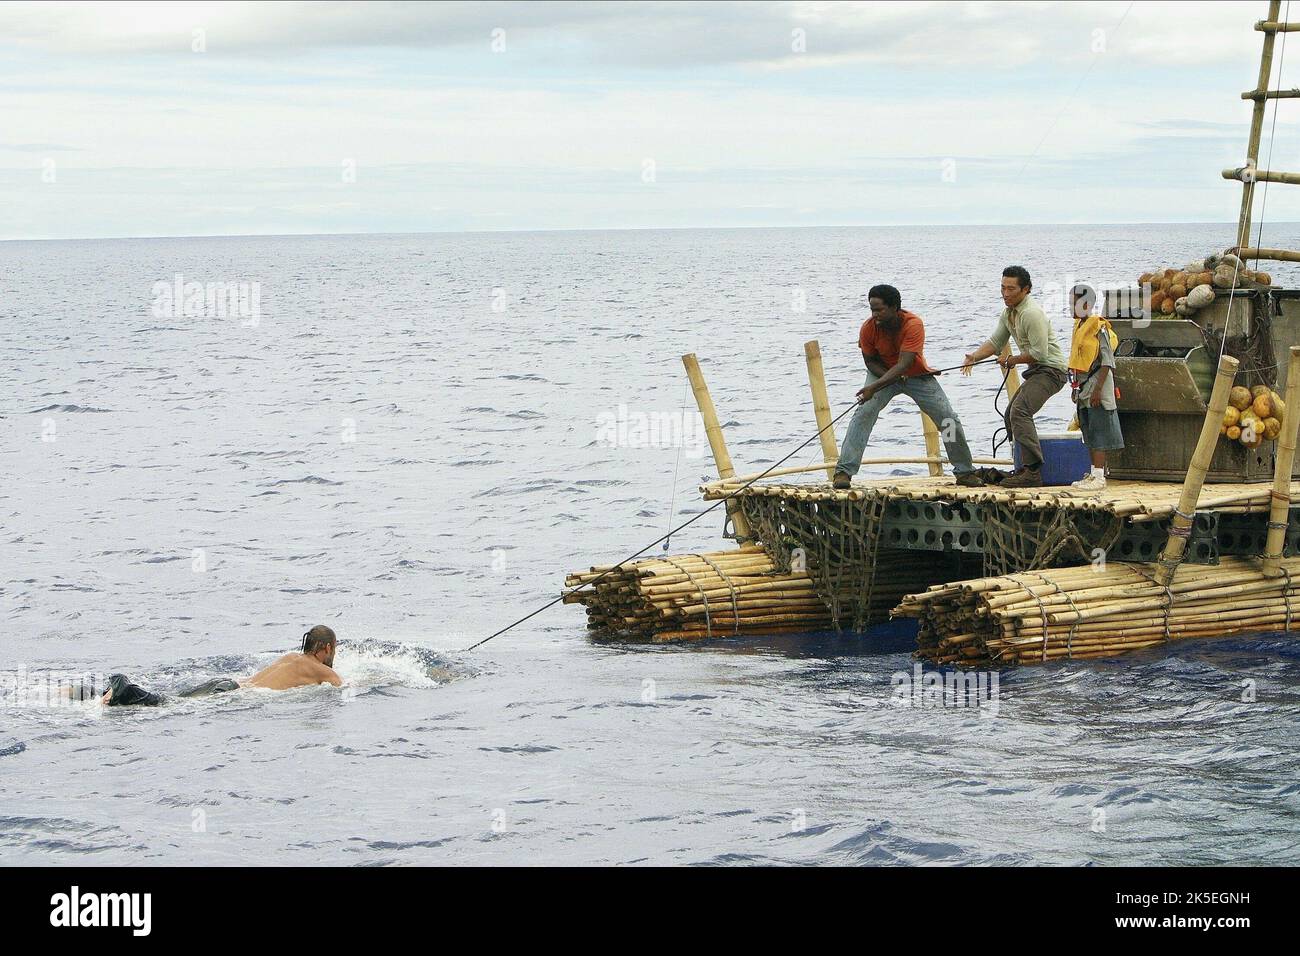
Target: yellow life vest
[{"x": 1084, "y": 346}]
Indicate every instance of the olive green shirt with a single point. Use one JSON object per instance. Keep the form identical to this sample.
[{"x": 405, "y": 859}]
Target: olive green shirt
[{"x": 1033, "y": 333}]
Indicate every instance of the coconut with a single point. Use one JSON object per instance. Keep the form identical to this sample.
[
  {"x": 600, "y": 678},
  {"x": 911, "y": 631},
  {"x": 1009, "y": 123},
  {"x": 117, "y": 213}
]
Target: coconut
[
  {"x": 1233, "y": 432},
  {"x": 1263, "y": 406},
  {"x": 1229, "y": 260},
  {"x": 1255, "y": 443},
  {"x": 1263, "y": 278},
  {"x": 1279, "y": 406},
  {"x": 1177, "y": 290},
  {"x": 1272, "y": 428},
  {"x": 1258, "y": 390},
  {"x": 1239, "y": 398},
  {"x": 1224, "y": 278},
  {"x": 1167, "y": 305},
  {"x": 1200, "y": 297},
  {"x": 1231, "y": 415},
  {"x": 1144, "y": 278}
]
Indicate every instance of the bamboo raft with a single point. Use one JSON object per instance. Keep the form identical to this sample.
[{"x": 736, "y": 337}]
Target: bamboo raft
[
  {"x": 1097, "y": 612},
  {"x": 1012, "y": 576},
  {"x": 811, "y": 557},
  {"x": 692, "y": 596}
]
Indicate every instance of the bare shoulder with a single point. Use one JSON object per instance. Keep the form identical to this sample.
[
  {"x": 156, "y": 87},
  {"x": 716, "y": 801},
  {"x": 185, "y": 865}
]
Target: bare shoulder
[{"x": 322, "y": 673}]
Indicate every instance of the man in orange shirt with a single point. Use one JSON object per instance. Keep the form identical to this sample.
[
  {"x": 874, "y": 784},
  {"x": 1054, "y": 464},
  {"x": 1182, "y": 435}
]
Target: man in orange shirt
[{"x": 891, "y": 342}]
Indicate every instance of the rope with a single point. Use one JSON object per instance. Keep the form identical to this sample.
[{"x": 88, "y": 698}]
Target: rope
[
  {"x": 1169, "y": 597},
  {"x": 1272, "y": 133},
  {"x": 694, "y": 518},
  {"x": 997, "y": 445},
  {"x": 1042, "y": 610},
  {"x": 1286, "y": 596},
  {"x": 1074, "y": 625},
  {"x": 1272, "y": 525},
  {"x": 735, "y": 608},
  {"x": 1078, "y": 86},
  {"x": 672, "y": 498},
  {"x": 1172, "y": 564},
  {"x": 1250, "y": 190},
  {"x": 708, "y": 618}
]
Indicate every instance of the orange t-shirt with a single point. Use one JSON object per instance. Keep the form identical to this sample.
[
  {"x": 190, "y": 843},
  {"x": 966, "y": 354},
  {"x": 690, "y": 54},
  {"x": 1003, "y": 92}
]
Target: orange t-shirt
[{"x": 910, "y": 338}]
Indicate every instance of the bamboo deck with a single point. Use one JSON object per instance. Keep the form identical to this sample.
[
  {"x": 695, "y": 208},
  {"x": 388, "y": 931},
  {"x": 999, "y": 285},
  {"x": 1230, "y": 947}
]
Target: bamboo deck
[{"x": 1139, "y": 500}]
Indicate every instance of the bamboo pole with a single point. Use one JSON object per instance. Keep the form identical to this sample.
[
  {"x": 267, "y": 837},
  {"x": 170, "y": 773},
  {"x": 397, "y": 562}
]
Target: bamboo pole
[
  {"x": 1279, "y": 255},
  {"x": 822, "y": 404},
  {"x": 717, "y": 443},
  {"x": 1291, "y": 94},
  {"x": 1181, "y": 526},
  {"x": 1257, "y": 124},
  {"x": 931, "y": 432},
  {"x": 1283, "y": 463},
  {"x": 1262, "y": 176}
]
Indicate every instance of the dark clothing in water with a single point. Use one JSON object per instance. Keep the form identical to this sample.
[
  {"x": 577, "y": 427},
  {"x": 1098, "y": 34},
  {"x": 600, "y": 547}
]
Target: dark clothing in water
[
  {"x": 218, "y": 685},
  {"x": 125, "y": 694}
]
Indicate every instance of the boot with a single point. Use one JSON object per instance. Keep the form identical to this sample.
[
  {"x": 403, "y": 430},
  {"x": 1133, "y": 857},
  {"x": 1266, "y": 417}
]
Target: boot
[{"x": 1025, "y": 478}]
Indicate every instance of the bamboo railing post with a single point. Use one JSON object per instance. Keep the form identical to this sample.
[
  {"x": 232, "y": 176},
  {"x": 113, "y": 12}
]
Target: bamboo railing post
[
  {"x": 1283, "y": 463},
  {"x": 821, "y": 403},
  {"x": 931, "y": 432},
  {"x": 1257, "y": 126},
  {"x": 717, "y": 444},
  {"x": 1180, "y": 528}
]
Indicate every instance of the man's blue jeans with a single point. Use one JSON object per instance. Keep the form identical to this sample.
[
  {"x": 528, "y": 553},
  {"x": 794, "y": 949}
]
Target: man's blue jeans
[{"x": 928, "y": 394}]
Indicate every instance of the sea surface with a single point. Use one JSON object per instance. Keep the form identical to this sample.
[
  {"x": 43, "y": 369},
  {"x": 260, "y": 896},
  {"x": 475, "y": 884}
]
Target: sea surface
[{"x": 412, "y": 438}]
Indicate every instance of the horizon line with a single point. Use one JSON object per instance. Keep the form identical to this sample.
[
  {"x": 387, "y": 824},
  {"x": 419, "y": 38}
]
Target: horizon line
[{"x": 474, "y": 232}]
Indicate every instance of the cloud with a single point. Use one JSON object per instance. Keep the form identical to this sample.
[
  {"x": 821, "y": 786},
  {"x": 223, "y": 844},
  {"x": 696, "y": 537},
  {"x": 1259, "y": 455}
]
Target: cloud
[
  {"x": 656, "y": 35},
  {"x": 1043, "y": 111},
  {"x": 38, "y": 148}
]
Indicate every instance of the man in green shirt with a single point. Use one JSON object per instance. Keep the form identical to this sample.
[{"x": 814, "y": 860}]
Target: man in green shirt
[{"x": 1046, "y": 375}]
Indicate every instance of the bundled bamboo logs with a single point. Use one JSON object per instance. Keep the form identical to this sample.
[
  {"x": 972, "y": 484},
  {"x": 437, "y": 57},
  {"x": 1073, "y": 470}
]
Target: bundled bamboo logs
[
  {"x": 694, "y": 596},
  {"x": 1088, "y": 611}
]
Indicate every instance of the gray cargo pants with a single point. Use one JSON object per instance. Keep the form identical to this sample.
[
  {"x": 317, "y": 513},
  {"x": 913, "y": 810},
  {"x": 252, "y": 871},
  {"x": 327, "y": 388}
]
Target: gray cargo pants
[{"x": 1041, "y": 383}]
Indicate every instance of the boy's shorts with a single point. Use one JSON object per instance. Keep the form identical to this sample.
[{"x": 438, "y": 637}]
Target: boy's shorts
[{"x": 1100, "y": 427}]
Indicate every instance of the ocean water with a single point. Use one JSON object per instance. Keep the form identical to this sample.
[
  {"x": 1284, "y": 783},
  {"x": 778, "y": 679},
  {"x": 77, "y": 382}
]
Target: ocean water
[{"x": 412, "y": 438}]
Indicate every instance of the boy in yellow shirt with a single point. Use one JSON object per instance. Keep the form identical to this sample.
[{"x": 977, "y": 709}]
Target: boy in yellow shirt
[{"x": 1092, "y": 381}]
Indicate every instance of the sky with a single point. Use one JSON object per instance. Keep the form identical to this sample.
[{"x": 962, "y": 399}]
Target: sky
[{"x": 158, "y": 119}]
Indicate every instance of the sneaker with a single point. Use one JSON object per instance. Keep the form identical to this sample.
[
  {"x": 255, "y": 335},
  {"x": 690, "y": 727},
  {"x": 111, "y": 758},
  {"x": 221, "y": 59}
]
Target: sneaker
[
  {"x": 1024, "y": 478},
  {"x": 1089, "y": 482},
  {"x": 970, "y": 479},
  {"x": 841, "y": 480}
]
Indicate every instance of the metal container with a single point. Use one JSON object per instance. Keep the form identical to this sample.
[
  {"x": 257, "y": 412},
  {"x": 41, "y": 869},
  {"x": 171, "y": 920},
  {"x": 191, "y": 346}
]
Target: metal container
[{"x": 1164, "y": 369}]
